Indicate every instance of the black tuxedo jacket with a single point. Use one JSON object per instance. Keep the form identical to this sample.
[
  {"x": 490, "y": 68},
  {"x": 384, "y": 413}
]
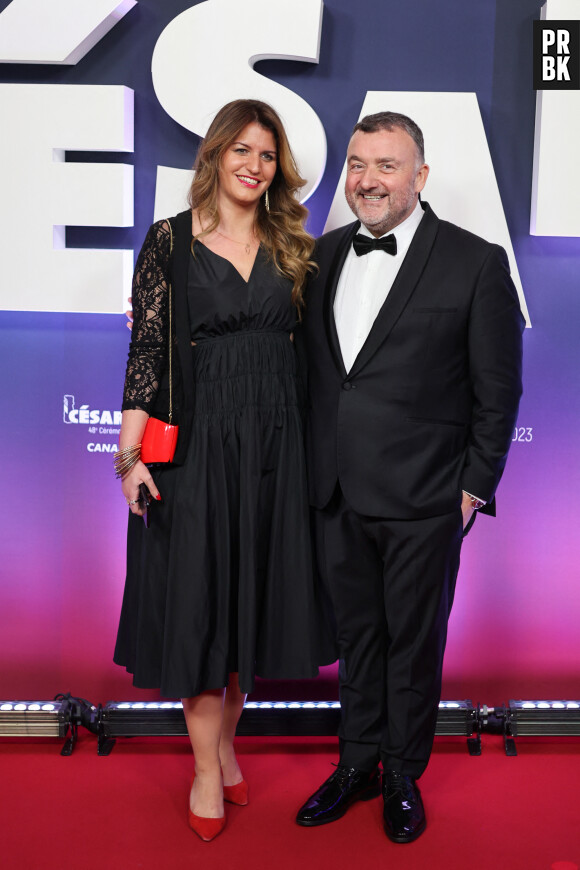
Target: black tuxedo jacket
[{"x": 430, "y": 404}]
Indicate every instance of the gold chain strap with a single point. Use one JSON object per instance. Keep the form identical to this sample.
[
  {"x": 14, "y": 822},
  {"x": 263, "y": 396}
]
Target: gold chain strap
[{"x": 170, "y": 333}]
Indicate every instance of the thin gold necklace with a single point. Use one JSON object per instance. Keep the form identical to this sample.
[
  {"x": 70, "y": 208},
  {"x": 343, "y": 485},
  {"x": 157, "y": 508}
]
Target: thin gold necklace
[{"x": 247, "y": 245}]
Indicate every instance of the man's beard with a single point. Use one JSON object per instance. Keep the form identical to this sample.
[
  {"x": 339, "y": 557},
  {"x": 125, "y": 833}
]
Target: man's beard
[{"x": 390, "y": 216}]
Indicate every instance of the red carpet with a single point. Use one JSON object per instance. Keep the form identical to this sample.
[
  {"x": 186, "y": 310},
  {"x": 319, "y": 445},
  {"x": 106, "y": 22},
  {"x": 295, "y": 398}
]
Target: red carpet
[{"x": 129, "y": 810}]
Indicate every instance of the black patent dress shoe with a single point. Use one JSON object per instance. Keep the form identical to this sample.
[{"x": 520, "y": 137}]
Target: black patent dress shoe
[
  {"x": 403, "y": 813},
  {"x": 337, "y": 793}
]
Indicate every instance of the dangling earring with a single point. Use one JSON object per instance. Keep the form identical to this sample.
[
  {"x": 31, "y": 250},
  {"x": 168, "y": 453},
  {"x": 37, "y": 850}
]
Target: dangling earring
[{"x": 267, "y": 201}]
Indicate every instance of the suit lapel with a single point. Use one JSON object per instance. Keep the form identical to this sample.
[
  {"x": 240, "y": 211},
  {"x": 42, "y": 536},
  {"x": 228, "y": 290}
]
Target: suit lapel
[
  {"x": 342, "y": 248},
  {"x": 402, "y": 289}
]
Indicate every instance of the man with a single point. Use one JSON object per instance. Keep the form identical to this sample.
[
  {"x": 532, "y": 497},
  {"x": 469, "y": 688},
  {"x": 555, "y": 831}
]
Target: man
[{"x": 414, "y": 368}]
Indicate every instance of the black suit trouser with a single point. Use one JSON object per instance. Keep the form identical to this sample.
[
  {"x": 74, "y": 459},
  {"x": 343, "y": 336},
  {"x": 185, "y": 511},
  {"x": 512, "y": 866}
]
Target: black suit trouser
[{"x": 391, "y": 583}]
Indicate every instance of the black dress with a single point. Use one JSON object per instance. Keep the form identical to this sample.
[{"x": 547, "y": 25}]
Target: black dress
[{"x": 222, "y": 579}]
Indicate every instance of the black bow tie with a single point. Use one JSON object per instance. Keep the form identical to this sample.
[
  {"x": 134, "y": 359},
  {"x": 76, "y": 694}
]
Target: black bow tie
[{"x": 364, "y": 244}]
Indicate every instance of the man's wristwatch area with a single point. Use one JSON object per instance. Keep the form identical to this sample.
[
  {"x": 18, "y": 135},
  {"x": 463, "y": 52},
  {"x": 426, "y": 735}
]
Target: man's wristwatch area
[{"x": 476, "y": 503}]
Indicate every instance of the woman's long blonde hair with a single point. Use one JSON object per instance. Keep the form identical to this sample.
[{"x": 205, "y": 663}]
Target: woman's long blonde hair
[{"x": 281, "y": 229}]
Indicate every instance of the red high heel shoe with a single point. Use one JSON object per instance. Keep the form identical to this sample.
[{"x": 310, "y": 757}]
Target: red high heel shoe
[
  {"x": 204, "y": 827},
  {"x": 237, "y": 794},
  {"x": 207, "y": 829}
]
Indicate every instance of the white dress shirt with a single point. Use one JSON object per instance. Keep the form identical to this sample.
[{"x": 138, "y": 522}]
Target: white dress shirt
[{"x": 364, "y": 284}]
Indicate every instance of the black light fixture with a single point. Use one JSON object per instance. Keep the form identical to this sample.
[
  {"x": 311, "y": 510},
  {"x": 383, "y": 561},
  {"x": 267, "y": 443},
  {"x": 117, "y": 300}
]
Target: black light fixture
[
  {"x": 39, "y": 719},
  {"x": 137, "y": 719},
  {"x": 461, "y": 719},
  {"x": 540, "y": 718},
  {"x": 267, "y": 718},
  {"x": 290, "y": 718},
  {"x": 264, "y": 718}
]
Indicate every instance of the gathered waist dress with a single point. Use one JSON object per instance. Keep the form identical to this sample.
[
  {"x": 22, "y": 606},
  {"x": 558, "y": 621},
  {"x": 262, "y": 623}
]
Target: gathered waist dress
[{"x": 222, "y": 579}]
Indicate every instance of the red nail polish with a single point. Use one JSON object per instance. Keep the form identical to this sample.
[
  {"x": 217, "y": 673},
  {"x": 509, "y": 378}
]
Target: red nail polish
[{"x": 158, "y": 497}]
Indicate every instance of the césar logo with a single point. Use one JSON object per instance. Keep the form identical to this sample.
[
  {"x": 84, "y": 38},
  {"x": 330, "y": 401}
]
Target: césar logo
[{"x": 90, "y": 417}]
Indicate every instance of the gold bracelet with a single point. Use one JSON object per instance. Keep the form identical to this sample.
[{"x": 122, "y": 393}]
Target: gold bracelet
[
  {"x": 126, "y": 455},
  {"x": 124, "y": 460},
  {"x": 127, "y": 450}
]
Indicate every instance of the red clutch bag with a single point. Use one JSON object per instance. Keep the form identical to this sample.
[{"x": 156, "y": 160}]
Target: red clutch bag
[{"x": 158, "y": 442}]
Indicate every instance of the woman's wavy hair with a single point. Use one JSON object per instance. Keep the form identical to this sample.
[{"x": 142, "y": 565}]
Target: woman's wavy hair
[{"x": 281, "y": 229}]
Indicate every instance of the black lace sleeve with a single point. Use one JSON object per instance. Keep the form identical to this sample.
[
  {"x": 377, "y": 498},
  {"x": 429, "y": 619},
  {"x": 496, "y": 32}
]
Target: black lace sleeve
[{"x": 149, "y": 338}]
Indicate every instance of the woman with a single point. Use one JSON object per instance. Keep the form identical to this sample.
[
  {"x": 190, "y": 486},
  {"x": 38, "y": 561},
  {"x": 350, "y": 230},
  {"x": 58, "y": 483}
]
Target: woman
[{"x": 219, "y": 586}]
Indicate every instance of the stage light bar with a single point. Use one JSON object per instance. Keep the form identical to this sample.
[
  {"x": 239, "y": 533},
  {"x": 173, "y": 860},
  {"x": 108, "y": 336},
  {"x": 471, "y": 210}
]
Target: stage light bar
[
  {"x": 290, "y": 718},
  {"x": 37, "y": 719},
  {"x": 460, "y": 719},
  {"x": 456, "y": 718},
  {"x": 549, "y": 718},
  {"x": 138, "y": 719},
  {"x": 265, "y": 718}
]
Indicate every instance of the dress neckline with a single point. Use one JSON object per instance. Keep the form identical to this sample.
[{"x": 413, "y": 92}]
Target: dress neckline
[{"x": 225, "y": 260}]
